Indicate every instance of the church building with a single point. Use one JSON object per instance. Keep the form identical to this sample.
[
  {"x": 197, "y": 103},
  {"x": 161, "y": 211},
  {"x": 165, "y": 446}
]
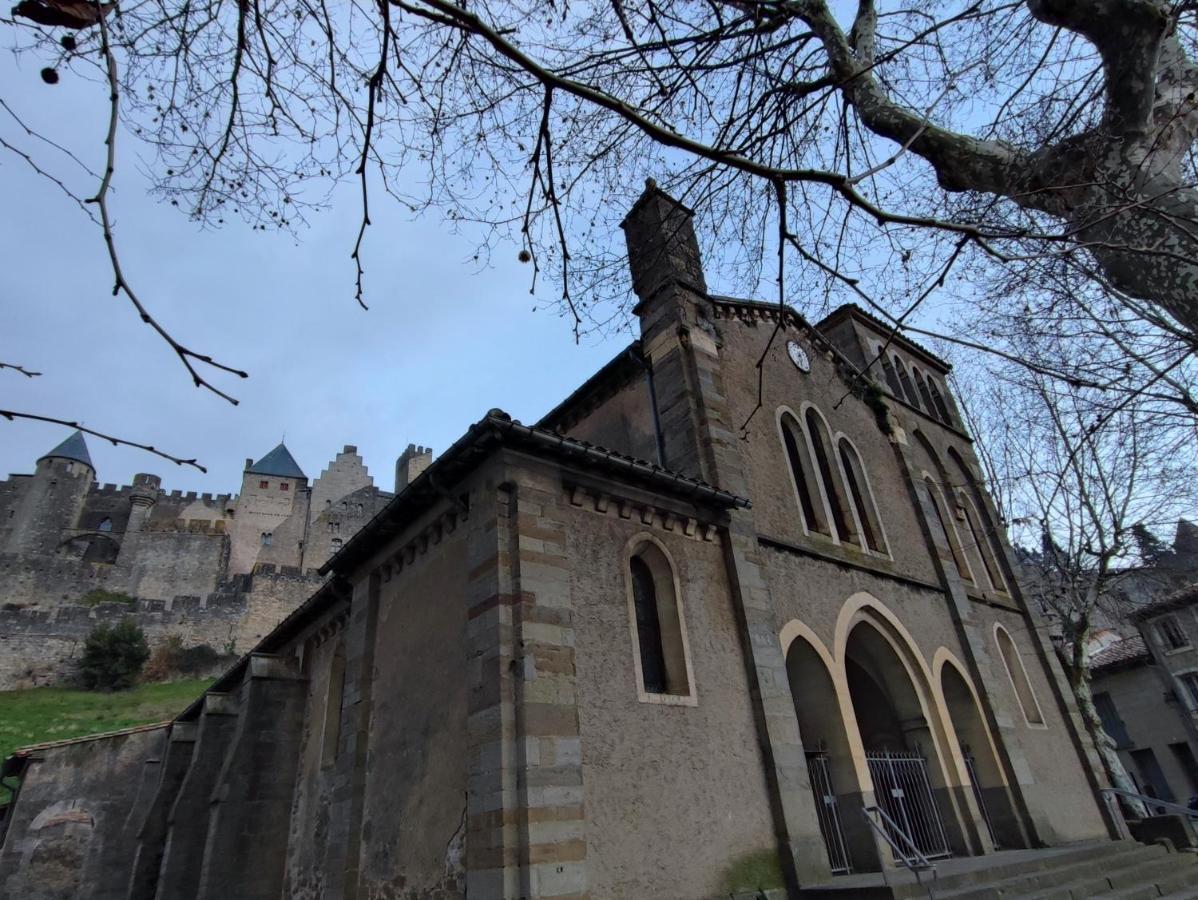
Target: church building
[{"x": 740, "y": 586}]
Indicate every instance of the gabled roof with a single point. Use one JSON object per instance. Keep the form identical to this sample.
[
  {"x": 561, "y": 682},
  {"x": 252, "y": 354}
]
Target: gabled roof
[
  {"x": 74, "y": 448},
  {"x": 278, "y": 462}
]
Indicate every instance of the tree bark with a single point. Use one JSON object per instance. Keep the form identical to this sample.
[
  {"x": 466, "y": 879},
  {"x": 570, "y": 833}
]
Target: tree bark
[
  {"x": 1119, "y": 190},
  {"x": 1079, "y": 682}
]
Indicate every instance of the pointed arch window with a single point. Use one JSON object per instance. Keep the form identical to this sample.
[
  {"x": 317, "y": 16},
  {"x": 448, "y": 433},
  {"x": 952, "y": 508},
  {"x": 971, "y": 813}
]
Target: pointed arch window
[
  {"x": 661, "y": 655},
  {"x": 800, "y": 470},
  {"x": 861, "y": 496},
  {"x": 832, "y": 490},
  {"x": 950, "y": 532},
  {"x": 1018, "y": 675},
  {"x": 105, "y": 525},
  {"x": 905, "y": 380}
]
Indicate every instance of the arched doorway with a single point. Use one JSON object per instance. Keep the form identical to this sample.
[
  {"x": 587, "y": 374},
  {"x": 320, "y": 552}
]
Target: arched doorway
[
  {"x": 901, "y": 744},
  {"x": 987, "y": 782},
  {"x": 835, "y": 785}
]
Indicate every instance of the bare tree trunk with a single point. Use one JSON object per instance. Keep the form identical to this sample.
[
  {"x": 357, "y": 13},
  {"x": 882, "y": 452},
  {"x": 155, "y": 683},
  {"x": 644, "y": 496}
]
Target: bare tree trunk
[
  {"x": 1116, "y": 773},
  {"x": 1146, "y": 241}
]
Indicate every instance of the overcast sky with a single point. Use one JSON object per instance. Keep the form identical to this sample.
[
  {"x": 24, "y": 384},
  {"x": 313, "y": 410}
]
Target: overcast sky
[{"x": 442, "y": 343}]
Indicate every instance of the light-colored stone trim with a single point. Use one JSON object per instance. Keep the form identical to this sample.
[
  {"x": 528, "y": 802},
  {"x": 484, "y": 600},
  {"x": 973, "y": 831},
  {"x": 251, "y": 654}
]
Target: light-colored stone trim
[
  {"x": 691, "y": 697},
  {"x": 1043, "y": 723}
]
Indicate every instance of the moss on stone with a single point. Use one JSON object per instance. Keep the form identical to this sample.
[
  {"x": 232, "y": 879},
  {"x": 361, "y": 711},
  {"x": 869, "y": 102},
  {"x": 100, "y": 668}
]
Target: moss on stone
[{"x": 760, "y": 870}]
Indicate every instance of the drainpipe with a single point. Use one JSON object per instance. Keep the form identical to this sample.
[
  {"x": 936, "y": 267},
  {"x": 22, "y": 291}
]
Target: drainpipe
[{"x": 648, "y": 367}]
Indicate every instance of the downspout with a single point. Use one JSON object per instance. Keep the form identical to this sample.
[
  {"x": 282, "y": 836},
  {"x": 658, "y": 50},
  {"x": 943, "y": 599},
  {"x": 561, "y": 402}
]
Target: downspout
[{"x": 648, "y": 367}]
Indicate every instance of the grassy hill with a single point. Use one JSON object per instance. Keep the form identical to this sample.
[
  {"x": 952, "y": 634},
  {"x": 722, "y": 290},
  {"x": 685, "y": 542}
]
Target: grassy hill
[{"x": 54, "y": 714}]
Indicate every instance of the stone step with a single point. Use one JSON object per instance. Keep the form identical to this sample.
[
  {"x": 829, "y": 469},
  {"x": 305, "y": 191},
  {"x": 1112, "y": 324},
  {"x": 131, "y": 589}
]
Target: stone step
[
  {"x": 1019, "y": 878},
  {"x": 1136, "y": 881},
  {"x": 1171, "y": 870}
]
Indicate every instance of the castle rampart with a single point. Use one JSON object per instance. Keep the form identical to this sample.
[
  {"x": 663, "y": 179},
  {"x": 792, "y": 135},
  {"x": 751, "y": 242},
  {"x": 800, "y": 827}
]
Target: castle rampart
[{"x": 213, "y": 568}]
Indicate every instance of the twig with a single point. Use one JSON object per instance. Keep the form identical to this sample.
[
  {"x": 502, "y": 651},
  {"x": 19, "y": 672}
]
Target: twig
[
  {"x": 21, "y": 369},
  {"x": 376, "y": 83},
  {"x": 11, "y": 415},
  {"x": 101, "y": 200}
]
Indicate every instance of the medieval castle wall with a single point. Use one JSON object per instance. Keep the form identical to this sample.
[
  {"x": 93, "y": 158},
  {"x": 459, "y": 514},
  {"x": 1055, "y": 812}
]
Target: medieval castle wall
[{"x": 215, "y": 569}]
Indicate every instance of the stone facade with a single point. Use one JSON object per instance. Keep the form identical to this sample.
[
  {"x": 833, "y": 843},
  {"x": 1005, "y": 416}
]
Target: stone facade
[
  {"x": 216, "y": 569},
  {"x": 658, "y": 635}
]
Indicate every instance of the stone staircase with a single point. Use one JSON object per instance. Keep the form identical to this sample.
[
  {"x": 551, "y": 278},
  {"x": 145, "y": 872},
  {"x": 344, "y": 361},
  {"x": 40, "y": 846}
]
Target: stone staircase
[{"x": 1118, "y": 870}]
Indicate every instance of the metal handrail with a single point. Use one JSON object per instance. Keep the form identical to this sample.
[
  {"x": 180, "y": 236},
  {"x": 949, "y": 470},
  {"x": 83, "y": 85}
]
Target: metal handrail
[
  {"x": 1150, "y": 802},
  {"x": 915, "y": 860}
]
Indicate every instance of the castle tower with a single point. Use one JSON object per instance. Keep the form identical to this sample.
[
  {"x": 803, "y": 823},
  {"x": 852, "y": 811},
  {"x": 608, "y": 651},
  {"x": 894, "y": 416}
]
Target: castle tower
[
  {"x": 142, "y": 498},
  {"x": 54, "y": 499},
  {"x": 270, "y": 489},
  {"x": 410, "y": 464}
]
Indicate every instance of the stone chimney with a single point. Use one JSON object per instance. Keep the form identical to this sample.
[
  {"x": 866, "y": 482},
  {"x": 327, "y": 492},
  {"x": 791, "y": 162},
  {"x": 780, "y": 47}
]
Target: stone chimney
[
  {"x": 662, "y": 247},
  {"x": 678, "y": 339},
  {"x": 410, "y": 464}
]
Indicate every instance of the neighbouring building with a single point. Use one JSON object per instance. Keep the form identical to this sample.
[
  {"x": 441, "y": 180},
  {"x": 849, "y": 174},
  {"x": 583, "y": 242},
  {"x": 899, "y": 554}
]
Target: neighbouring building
[
  {"x": 221, "y": 569},
  {"x": 690, "y": 619},
  {"x": 1145, "y": 688}
]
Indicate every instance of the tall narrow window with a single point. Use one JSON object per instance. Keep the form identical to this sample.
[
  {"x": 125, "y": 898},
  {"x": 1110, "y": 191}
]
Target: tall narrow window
[
  {"x": 888, "y": 369},
  {"x": 659, "y": 630},
  {"x": 938, "y": 398},
  {"x": 905, "y": 380},
  {"x": 867, "y": 513},
  {"x": 980, "y": 542},
  {"x": 993, "y": 545},
  {"x": 1018, "y": 675},
  {"x": 267, "y": 537},
  {"x": 791, "y": 437},
  {"x": 923, "y": 392},
  {"x": 950, "y": 533},
  {"x": 648, "y": 628},
  {"x": 819, "y": 443}
]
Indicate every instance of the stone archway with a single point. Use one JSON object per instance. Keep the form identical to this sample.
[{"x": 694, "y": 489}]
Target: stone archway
[
  {"x": 902, "y": 738},
  {"x": 988, "y": 781},
  {"x": 831, "y": 762}
]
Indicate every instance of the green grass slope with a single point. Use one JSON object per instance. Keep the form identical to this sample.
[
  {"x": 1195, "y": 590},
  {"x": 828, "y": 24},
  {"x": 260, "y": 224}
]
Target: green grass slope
[{"x": 54, "y": 714}]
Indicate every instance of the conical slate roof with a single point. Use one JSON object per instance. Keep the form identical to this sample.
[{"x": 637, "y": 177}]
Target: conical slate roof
[
  {"x": 278, "y": 462},
  {"x": 74, "y": 447}
]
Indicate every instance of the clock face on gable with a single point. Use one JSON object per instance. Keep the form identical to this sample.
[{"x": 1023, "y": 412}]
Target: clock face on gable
[{"x": 798, "y": 356}]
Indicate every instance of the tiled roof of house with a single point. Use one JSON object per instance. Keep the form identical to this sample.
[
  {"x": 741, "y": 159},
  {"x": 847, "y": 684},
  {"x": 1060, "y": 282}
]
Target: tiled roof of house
[{"x": 1129, "y": 650}]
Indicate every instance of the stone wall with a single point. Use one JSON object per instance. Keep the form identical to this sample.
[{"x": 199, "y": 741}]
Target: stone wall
[
  {"x": 81, "y": 803},
  {"x": 41, "y": 646}
]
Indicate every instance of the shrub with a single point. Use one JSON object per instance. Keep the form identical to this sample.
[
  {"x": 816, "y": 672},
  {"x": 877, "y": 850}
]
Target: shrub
[
  {"x": 171, "y": 659},
  {"x": 113, "y": 656},
  {"x": 96, "y": 596}
]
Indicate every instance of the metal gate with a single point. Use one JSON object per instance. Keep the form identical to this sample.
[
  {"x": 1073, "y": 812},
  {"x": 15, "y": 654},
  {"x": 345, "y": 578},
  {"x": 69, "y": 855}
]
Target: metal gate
[
  {"x": 971, "y": 765},
  {"x": 902, "y": 789},
  {"x": 828, "y": 812}
]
